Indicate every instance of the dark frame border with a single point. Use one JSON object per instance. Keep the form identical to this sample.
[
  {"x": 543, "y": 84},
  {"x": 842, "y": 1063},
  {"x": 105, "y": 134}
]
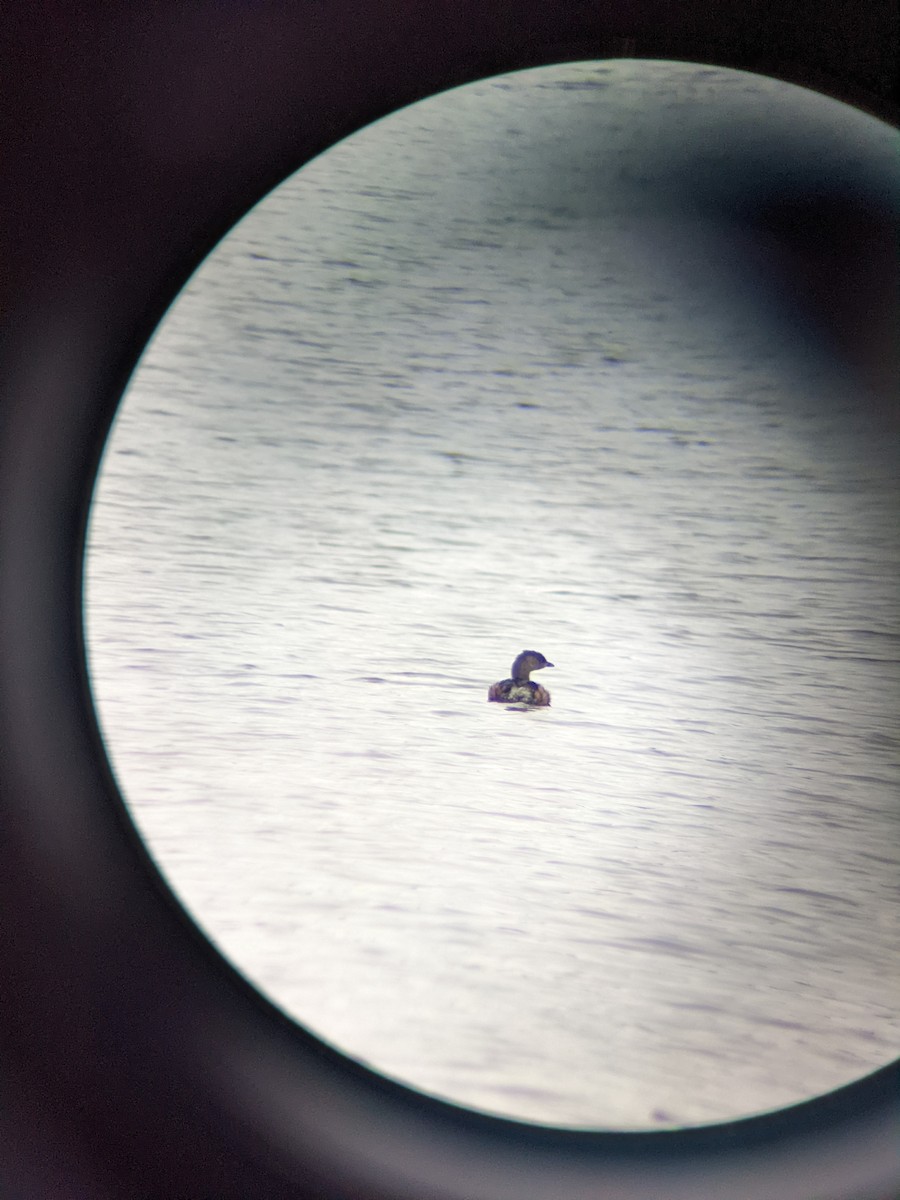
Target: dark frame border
[{"x": 138, "y": 1062}]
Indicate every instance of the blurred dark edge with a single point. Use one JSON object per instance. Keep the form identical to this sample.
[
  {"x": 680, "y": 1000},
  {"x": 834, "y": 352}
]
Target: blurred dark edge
[{"x": 135, "y": 1063}]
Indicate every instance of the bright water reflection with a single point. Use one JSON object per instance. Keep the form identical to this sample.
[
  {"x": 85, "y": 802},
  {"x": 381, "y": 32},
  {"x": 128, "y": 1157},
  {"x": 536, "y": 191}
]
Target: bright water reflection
[{"x": 505, "y": 370}]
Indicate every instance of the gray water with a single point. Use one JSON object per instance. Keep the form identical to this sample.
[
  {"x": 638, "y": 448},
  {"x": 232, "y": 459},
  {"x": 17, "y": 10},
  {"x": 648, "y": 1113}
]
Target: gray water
[{"x": 486, "y": 377}]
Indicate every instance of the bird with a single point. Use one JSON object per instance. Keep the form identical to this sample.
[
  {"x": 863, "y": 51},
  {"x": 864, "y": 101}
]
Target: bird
[{"x": 520, "y": 689}]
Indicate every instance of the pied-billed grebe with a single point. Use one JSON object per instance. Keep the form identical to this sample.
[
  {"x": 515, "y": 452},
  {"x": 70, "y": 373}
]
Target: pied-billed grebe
[{"x": 520, "y": 689}]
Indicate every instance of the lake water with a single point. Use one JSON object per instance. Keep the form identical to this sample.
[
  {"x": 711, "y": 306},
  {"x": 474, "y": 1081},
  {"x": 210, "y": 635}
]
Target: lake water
[{"x": 507, "y": 371}]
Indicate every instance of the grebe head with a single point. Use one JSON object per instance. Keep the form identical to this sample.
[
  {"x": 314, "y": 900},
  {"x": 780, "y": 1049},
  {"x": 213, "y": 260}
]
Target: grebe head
[{"x": 528, "y": 661}]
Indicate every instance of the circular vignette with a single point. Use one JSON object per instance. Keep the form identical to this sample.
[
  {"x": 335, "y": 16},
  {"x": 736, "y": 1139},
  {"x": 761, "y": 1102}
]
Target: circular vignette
[
  {"x": 140, "y": 1062},
  {"x": 256, "y": 665}
]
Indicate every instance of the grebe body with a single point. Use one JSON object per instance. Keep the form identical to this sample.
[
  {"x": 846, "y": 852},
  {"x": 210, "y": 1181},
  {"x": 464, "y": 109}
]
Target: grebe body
[{"x": 520, "y": 688}]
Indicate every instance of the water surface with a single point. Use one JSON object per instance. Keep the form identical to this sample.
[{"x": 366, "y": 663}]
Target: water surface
[{"x": 504, "y": 371}]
